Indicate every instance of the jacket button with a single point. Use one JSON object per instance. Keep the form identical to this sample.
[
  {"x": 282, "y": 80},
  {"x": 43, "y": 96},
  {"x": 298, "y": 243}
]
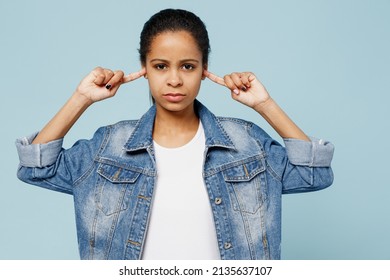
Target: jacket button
[
  {"x": 227, "y": 245},
  {"x": 218, "y": 200}
]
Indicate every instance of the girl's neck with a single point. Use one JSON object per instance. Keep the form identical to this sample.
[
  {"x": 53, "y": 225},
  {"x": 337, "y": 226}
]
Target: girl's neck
[{"x": 175, "y": 129}]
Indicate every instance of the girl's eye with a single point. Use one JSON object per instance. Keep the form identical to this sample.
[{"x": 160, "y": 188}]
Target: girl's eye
[
  {"x": 160, "y": 66},
  {"x": 188, "y": 67}
]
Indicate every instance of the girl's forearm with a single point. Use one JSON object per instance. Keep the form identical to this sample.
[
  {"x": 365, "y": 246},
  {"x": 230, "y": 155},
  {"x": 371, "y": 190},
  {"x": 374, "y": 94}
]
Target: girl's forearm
[
  {"x": 62, "y": 122},
  {"x": 279, "y": 120}
]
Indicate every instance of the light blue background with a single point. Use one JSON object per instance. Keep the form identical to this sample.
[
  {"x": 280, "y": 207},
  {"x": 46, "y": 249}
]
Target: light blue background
[{"x": 325, "y": 62}]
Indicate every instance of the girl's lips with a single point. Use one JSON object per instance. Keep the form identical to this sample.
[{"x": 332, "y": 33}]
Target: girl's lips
[{"x": 174, "y": 97}]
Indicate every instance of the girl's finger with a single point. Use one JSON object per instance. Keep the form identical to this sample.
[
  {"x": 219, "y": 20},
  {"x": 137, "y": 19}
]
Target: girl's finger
[
  {"x": 134, "y": 76},
  {"x": 231, "y": 84},
  {"x": 245, "y": 79},
  {"x": 237, "y": 80},
  {"x": 98, "y": 76},
  {"x": 214, "y": 78},
  {"x": 115, "y": 80},
  {"x": 108, "y": 74}
]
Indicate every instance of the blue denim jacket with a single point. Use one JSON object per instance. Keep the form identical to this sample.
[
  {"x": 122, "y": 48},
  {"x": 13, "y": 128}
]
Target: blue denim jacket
[{"x": 113, "y": 175}]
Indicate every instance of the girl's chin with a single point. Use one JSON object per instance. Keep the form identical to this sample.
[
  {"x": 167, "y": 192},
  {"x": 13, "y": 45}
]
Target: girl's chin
[{"x": 175, "y": 106}]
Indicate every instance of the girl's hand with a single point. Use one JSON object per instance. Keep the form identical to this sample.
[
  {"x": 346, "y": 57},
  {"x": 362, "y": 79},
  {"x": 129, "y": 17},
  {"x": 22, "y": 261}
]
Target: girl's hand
[
  {"x": 103, "y": 83},
  {"x": 244, "y": 86},
  {"x": 246, "y": 89}
]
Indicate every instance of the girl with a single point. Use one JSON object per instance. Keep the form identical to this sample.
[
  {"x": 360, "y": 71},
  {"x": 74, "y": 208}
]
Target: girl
[{"x": 179, "y": 183}]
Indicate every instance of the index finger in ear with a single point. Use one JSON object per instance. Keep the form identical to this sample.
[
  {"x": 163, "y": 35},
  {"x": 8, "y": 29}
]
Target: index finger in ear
[
  {"x": 214, "y": 78},
  {"x": 133, "y": 76}
]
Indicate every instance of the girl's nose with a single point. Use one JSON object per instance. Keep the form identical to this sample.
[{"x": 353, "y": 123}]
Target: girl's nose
[{"x": 174, "y": 79}]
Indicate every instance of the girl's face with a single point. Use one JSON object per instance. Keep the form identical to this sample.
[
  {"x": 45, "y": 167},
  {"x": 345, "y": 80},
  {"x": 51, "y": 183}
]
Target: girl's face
[{"x": 174, "y": 70}]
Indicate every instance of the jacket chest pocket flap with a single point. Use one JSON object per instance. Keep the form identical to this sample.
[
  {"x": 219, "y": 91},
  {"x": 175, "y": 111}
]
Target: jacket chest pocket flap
[
  {"x": 114, "y": 187},
  {"x": 246, "y": 184}
]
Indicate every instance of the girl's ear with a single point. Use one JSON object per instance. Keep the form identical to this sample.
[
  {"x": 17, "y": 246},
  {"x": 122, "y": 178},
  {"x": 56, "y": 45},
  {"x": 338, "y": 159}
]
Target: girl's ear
[
  {"x": 146, "y": 74},
  {"x": 205, "y": 67}
]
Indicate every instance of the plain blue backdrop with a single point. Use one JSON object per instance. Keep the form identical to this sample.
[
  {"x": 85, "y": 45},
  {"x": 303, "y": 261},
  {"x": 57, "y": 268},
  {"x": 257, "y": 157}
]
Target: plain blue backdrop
[{"x": 326, "y": 63}]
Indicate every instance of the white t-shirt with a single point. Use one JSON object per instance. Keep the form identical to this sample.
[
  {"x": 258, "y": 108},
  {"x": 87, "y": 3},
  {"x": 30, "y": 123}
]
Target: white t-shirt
[{"x": 181, "y": 225}]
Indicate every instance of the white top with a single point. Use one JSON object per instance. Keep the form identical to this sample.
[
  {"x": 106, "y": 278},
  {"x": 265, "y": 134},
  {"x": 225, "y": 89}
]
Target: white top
[{"x": 181, "y": 225}]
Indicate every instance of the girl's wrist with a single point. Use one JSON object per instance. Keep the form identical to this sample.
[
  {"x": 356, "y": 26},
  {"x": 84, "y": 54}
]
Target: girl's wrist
[
  {"x": 264, "y": 106},
  {"x": 80, "y": 100}
]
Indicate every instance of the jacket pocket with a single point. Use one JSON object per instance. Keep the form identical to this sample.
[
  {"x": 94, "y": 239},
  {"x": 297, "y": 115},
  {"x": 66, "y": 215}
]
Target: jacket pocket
[
  {"x": 114, "y": 187},
  {"x": 246, "y": 185}
]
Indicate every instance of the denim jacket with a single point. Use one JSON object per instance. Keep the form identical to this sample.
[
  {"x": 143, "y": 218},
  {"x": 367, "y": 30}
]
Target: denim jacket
[{"x": 112, "y": 179}]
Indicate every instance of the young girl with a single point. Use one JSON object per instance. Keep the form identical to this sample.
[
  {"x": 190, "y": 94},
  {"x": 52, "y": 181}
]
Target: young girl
[{"x": 179, "y": 183}]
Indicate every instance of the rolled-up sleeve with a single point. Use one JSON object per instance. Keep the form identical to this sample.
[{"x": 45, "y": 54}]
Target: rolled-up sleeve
[
  {"x": 313, "y": 153},
  {"x": 37, "y": 155},
  {"x": 53, "y": 167}
]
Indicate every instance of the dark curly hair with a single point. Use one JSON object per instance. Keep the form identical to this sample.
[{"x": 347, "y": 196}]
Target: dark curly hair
[{"x": 174, "y": 20}]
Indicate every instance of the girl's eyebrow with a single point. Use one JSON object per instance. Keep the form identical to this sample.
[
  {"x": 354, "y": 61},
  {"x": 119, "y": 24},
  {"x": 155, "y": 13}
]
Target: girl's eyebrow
[{"x": 181, "y": 61}]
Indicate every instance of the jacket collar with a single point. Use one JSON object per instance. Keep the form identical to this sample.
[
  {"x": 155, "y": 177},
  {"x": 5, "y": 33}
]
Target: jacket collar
[{"x": 216, "y": 136}]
